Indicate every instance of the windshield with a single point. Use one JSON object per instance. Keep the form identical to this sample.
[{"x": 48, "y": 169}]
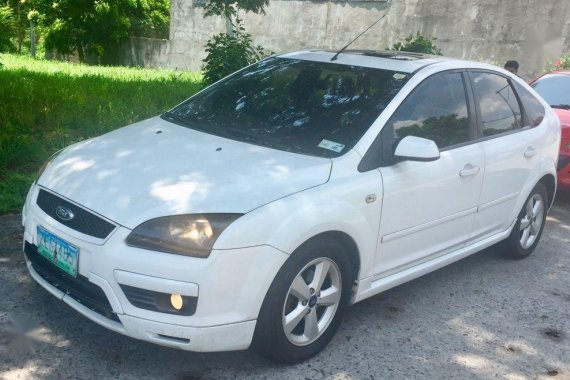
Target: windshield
[
  {"x": 555, "y": 89},
  {"x": 307, "y": 107}
]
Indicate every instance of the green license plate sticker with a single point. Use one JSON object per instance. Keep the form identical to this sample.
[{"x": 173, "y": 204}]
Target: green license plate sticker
[{"x": 58, "y": 251}]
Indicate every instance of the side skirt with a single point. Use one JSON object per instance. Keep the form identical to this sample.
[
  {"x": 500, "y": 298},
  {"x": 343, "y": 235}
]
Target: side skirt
[{"x": 373, "y": 285}]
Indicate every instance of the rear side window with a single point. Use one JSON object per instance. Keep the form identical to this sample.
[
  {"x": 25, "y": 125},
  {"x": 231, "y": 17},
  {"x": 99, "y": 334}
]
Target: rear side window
[
  {"x": 534, "y": 110},
  {"x": 498, "y": 105},
  {"x": 436, "y": 110}
]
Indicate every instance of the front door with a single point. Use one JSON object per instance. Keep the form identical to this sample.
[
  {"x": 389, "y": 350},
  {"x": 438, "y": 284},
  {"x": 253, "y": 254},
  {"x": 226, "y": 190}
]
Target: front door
[{"x": 428, "y": 207}]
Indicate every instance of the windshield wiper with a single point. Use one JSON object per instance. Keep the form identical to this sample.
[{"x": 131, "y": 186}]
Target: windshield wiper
[
  {"x": 176, "y": 119},
  {"x": 173, "y": 117},
  {"x": 562, "y": 106},
  {"x": 255, "y": 138}
]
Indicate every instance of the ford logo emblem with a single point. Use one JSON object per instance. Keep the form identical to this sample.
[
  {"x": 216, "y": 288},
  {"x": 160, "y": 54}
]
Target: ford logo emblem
[{"x": 64, "y": 213}]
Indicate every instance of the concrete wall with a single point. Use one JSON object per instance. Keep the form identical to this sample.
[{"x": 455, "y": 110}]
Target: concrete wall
[
  {"x": 147, "y": 52},
  {"x": 530, "y": 31}
]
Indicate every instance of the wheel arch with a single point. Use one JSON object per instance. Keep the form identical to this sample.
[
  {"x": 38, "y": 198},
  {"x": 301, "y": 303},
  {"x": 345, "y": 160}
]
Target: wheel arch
[
  {"x": 347, "y": 242},
  {"x": 269, "y": 340},
  {"x": 549, "y": 182}
]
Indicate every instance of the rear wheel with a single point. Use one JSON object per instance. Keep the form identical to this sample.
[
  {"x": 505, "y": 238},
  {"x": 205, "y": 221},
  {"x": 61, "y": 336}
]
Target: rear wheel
[
  {"x": 529, "y": 225},
  {"x": 303, "y": 307}
]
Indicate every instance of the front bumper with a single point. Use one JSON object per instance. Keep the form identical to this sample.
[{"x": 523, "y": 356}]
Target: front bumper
[{"x": 229, "y": 286}]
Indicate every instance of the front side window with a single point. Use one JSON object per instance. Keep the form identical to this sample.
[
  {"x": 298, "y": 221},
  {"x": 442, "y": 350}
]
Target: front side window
[
  {"x": 308, "y": 107},
  {"x": 499, "y": 107},
  {"x": 436, "y": 110}
]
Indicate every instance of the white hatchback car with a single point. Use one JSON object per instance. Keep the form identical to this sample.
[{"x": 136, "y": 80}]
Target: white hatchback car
[{"x": 261, "y": 207}]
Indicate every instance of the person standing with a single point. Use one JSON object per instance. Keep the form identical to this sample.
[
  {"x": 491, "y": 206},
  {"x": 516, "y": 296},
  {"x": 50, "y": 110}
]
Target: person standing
[{"x": 512, "y": 66}]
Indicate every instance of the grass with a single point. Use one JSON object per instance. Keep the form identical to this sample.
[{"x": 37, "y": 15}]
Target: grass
[{"x": 46, "y": 105}]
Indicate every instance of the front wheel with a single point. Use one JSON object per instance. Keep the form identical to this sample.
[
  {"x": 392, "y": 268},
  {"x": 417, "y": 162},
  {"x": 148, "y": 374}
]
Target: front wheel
[
  {"x": 304, "y": 305},
  {"x": 529, "y": 225}
]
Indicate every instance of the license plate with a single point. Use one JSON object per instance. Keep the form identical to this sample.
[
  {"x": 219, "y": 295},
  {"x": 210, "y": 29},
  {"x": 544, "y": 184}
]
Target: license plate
[{"x": 58, "y": 251}]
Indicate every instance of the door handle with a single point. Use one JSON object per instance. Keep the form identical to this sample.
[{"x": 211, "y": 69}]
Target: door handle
[
  {"x": 469, "y": 170},
  {"x": 529, "y": 152}
]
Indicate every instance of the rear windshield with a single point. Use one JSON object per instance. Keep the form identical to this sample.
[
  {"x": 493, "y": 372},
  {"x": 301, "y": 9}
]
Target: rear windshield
[
  {"x": 555, "y": 89},
  {"x": 307, "y": 107}
]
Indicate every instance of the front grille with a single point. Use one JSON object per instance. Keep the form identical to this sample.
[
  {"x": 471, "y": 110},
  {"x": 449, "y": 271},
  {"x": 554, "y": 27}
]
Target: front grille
[
  {"x": 78, "y": 288},
  {"x": 82, "y": 221},
  {"x": 156, "y": 301},
  {"x": 562, "y": 162}
]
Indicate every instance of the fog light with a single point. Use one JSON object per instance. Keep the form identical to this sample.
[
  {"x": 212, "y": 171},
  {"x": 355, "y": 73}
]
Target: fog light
[{"x": 176, "y": 301}]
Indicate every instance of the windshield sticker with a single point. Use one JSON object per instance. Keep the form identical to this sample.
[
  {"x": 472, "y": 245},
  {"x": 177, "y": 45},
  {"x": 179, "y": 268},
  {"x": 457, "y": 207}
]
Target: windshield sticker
[
  {"x": 399, "y": 76},
  {"x": 331, "y": 145}
]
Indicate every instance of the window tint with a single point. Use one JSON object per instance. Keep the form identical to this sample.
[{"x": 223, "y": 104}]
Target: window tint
[
  {"x": 315, "y": 108},
  {"x": 436, "y": 110},
  {"x": 555, "y": 89},
  {"x": 499, "y": 106},
  {"x": 534, "y": 110}
]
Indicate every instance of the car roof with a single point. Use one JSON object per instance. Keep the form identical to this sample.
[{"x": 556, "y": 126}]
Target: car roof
[
  {"x": 564, "y": 72},
  {"x": 402, "y": 61},
  {"x": 548, "y": 74}
]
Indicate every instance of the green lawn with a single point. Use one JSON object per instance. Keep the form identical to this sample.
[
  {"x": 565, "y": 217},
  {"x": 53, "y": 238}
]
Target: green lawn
[{"x": 47, "y": 105}]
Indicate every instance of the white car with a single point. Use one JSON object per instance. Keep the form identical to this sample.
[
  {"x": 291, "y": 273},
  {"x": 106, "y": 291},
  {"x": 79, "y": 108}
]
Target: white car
[{"x": 261, "y": 207}]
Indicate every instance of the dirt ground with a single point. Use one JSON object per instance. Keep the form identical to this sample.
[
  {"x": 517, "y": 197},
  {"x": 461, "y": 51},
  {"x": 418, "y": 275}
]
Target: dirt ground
[{"x": 483, "y": 317}]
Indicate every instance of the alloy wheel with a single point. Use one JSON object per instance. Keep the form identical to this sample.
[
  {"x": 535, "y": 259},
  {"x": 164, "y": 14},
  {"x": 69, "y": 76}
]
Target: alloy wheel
[
  {"x": 312, "y": 301},
  {"x": 531, "y": 221}
]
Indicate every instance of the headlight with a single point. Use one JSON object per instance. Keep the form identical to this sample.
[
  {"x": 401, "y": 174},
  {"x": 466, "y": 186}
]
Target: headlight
[
  {"x": 47, "y": 163},
  {"x": 189, "y": 235}
]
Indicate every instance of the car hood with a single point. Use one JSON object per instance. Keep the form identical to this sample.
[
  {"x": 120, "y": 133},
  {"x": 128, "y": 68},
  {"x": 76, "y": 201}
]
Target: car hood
[{"x": 155, "y": 168}]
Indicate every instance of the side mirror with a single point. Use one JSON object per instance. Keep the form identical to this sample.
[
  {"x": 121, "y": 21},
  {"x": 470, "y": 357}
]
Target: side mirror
[{"x": 417, "y": 149}]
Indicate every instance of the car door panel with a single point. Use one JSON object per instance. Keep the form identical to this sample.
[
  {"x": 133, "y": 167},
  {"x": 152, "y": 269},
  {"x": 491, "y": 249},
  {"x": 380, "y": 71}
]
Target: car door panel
[
  {"x": 506, "y": 171},
  {"x": 429, "y": 207},
  {"x": 509, "y": 150}
]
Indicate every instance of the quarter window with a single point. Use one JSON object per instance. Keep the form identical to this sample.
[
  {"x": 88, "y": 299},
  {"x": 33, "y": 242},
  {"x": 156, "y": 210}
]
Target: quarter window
[
  {"x": 498, "y": 104},
  {"x": 534, "y": 109},
  {"x": 436, "y": 110}
]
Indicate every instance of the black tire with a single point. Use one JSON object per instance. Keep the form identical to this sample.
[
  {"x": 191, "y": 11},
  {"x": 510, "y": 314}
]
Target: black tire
[
  {"x": 270, "y": 339},
  {"x": 514, "y": 246}
]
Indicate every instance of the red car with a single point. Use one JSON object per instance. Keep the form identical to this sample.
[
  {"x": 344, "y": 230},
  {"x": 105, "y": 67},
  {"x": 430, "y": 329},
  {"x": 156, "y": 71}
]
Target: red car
[{"x": 554, "y": 87}]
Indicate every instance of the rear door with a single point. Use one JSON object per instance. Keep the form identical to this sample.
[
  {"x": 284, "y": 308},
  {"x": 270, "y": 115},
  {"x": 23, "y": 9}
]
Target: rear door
[{"x": 508, "y": 142}]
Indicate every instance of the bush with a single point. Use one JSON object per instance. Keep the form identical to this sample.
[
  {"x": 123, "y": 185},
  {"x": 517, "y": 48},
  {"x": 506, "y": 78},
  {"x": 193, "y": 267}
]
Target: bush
[
  {"x": 13, "y": 190},
  {"x": 418, "y": 44},
  {"x": 563, "y": 62},
  {"x": 228, "y": 53}
]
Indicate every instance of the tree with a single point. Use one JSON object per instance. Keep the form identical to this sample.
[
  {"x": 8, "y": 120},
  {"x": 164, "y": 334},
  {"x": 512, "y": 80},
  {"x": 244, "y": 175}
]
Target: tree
[
  {"x": 234, "y": 49},
  {"x": 418, "y": 44},
  {"x": 14, "y": 24},
  {"x": 7, "y": 28},
  {"x": 151, "y": 18},
  {"x": 99, "y": 27},
  {"x": 228, "y": 8}
]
